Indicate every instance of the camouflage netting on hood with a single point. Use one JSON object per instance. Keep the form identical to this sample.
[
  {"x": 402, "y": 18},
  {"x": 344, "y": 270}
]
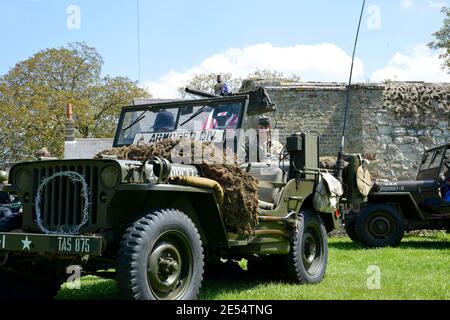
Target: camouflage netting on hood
[{"x": 240, "y": 207}]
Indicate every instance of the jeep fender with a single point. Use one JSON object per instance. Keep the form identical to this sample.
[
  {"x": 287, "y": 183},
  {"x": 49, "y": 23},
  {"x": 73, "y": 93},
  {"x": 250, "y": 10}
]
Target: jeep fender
[
  {"x": 200, "y": 204},
  {"x": 404, "y": 200}
]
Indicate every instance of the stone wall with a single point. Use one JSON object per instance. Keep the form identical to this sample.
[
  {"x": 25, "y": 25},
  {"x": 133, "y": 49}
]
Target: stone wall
[
  {"x": 391, "y": 124},
  {"x": 414, "y": 117}
]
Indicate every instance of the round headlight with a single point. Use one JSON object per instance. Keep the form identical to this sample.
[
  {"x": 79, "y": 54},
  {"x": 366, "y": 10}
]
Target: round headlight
[
  {"x": 22, "y": 178},
  {"x": 3, "y": 177},
  {"x": 109, "y": 176}
]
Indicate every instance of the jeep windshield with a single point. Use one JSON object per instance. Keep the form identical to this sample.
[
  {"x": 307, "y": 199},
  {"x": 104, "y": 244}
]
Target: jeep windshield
[
  {"x": 199, "y": 120},
  {"x": 432, "y": 163}
]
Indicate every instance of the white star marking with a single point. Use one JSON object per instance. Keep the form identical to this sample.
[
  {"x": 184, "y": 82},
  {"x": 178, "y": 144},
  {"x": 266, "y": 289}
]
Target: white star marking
[{"x": 26, "y": 244}]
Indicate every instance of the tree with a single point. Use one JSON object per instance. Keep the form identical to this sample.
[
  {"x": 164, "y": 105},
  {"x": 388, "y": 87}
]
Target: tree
[
  {"x": 34, "y": 93},
  {"x": 206, "y": 82},
  {"x": 442, "y": 41},
  {"x": 267, "y": 74}
]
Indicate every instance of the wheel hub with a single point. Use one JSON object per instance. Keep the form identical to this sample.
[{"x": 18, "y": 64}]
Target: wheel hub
[
  {"x": 164, "y": 267},
  {"x": 310, "y": 249},
  {"x": 380, "y": 227},
  {"x": 170, "y": 266}
]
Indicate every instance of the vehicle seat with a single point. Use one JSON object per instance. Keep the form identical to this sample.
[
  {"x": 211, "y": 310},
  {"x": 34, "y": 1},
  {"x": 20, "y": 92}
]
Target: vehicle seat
[
  {"x": 267, "y": 193},
  {"x": 437, "y": 205}
]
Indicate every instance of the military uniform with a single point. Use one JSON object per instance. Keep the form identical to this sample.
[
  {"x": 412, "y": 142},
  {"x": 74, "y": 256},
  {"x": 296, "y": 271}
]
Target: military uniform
[
  {"x": 274, "y": 148},
  {"x": 221, "y": 89}
]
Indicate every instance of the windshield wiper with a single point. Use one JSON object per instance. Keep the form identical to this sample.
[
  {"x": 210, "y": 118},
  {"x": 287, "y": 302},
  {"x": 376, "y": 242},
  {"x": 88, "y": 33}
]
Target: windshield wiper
[
  {"x": 194, "y": 115},
  {"x": 138, "y": 119}
]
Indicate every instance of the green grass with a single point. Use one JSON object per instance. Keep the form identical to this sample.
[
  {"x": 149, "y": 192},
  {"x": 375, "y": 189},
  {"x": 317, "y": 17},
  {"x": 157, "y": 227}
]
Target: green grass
[{"x": 418, "y": 269}]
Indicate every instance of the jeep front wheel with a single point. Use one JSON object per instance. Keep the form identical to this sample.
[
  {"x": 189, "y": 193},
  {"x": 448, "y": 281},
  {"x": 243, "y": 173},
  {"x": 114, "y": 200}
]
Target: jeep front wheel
[
  {"x": 379, "y": 225},
  {"x": 307, "y": 261},
  {"x": 161, "y": 258}
]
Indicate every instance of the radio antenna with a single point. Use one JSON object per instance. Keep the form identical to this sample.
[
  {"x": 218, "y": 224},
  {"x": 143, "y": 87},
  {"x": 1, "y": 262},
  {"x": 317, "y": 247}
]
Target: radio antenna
[
  {"x": 138, "y": 41},
  {"x": 340, "y": 162}
]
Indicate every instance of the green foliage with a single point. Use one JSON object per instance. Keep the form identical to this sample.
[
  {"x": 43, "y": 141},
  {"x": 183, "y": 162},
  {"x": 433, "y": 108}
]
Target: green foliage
[
  {"x": 206, "y": 82},
  {"x": 267, "y": 74},
  {"x": 413, "y": 271},
  {"x": 35, "y": 92},
  {"x": 442, "y": 39}
]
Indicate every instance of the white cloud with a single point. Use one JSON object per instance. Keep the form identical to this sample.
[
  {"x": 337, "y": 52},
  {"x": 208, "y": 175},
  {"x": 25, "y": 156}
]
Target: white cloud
[
  {"x": 321, "y": 62},
  {"x": 437, "y": 4},
  {"x": 406, "y": 3},
  {"x": 418, "y": 63}
]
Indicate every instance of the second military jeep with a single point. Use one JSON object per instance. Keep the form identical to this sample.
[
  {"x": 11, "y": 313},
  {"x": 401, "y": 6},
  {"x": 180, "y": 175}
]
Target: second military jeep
[
  {"x": 395, "y": 207},
  {"x": 105, "y": 214}
]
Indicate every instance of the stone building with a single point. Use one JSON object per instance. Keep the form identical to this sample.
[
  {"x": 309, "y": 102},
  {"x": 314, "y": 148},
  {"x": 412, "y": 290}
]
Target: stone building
[{"x": 391, "y": 123}]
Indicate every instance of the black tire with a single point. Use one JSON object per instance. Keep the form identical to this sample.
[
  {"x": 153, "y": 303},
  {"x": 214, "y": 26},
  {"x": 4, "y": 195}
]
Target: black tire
[
  {"x": 307, "y": 261},
  {"x": 350, "y": 229},
  {"x": 161, "y": 258},
  {"x": 379, "y": 225}
]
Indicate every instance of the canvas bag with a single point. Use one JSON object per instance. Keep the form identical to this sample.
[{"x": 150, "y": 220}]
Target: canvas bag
[{"x": 328, "y": 193}]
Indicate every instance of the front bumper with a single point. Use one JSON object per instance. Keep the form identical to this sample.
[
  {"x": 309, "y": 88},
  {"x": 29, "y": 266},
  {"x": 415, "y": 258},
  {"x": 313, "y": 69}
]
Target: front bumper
[{"x": 51, "y": 244}]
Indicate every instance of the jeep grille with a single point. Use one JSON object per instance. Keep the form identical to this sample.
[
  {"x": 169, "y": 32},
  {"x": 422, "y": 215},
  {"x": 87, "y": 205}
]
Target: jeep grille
[{"x": 62, "y": 202}]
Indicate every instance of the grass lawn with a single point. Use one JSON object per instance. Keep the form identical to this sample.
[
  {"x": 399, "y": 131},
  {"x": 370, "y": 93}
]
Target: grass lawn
[{"x": 418, "y": 269}]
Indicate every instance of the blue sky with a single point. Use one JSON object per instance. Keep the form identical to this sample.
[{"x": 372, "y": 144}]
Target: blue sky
[{"x": 179, "y": 38}]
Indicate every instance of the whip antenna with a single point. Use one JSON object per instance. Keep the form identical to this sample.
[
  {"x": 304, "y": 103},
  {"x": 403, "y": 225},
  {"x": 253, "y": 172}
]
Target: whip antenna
[
  {"x": 340, "y": 162},
  {"x": 138, "y": 40}
]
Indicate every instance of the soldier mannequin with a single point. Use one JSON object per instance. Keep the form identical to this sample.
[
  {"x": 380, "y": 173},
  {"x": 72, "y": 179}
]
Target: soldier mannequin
[
  {"x": 221, "y": 88},
  {"x": 270, "y": 146},
  {"x": 267, "y": 147}
]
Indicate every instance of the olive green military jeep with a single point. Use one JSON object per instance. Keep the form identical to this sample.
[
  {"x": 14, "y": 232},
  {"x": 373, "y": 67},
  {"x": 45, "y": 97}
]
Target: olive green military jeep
[
  {"x": 394, "y": 207},
  {"x": 122, "y": 215}
]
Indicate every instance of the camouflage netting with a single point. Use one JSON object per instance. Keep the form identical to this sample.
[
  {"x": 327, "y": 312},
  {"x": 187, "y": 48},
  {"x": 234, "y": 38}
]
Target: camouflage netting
[
  {"x": 409, "y": 100},
  {"x": 240, "y": 207},
  {"x": 329, "y": 163}
]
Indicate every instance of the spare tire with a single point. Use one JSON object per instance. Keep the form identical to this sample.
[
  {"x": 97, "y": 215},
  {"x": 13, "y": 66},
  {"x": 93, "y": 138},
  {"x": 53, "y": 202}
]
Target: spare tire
[{"x": 363, "y": 181}]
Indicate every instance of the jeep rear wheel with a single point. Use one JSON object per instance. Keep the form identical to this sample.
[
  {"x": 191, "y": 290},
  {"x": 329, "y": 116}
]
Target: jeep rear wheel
[
  {"x": 307, "y": 261},
  {"x": 161, "y": 258},
  {"x": 380, "y": 225}
]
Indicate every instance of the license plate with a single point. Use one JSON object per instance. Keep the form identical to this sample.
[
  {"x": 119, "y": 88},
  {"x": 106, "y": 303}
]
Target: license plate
[{"x": 41, "y": 243}]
